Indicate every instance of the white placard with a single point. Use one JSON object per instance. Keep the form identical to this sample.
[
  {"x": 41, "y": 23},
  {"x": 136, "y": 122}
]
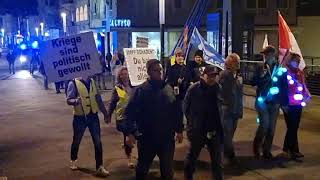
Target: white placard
[
  {"x": 70, "y": 57},
  {"x": 136, "y": 59}
]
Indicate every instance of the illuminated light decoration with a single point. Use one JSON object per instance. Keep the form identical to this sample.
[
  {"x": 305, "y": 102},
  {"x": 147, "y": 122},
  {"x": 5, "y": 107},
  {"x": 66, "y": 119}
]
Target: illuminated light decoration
[
  {"x": 289, "y": 77},
  {"x": 98, "y": 43},
  {"x": 46, "y": 34},
  {"x": 35, "y": 45},
  {"x": 23, "y": 46},
  {"x": 260, "y": 99},
  {"x": 258, "y": 120},
  {"x": 298, "y": 97},
  {"x": 303, "y": 104},
  {"x": 279, "y": 73},
  {"x": 291, "y": 82},
  {"x": 284, "y": 69},
  {"x": 274, "y": 90},
  {"x": 300, "y": 88},
  {"x": 23, "y": 59},
  {"x": 275, "y": 79}
]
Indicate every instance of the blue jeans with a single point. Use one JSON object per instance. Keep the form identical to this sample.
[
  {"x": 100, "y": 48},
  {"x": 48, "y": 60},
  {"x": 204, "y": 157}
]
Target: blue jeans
[
  {"x": 268, "y": 114},
  {"x": 80, "y": 124},
  {"x": 230, "y": 122}
]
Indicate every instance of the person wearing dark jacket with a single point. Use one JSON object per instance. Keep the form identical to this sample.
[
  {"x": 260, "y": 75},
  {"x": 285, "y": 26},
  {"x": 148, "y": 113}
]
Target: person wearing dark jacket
[
  {"x": 204, "y": 125},
  {"x": 232, "y": 105},
  {"x": 153, "y": 118},
  {"x": 267, "y": 106},
  {"x": 11, "y": 58},
  {"x": 119, "y": 100},
  {"x": 196, "y": 67},
  {"x": 177, "y": 78}
]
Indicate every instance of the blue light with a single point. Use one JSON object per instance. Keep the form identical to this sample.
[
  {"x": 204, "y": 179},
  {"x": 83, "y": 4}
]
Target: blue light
[
  {"x": 284, "y": 70},
  {"x": 35, "y": 45},
  {"x": 260, "y": 99},
  {"x": 98, "y": 43},
  {"x": 23, "y": 46},
  {"x": 274, "y": 90},
  {"x": 258, "y": 120},
  {"x": 275, "y": 79},
  {"x": 279, "y": 73}
]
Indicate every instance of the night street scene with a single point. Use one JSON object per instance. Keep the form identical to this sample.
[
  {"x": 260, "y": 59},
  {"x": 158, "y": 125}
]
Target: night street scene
[{"x": 160, "y": 89}]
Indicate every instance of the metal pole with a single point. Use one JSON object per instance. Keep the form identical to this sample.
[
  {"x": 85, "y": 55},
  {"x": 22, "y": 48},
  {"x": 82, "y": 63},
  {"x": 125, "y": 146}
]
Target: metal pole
[{"x": 162, "y": 44}]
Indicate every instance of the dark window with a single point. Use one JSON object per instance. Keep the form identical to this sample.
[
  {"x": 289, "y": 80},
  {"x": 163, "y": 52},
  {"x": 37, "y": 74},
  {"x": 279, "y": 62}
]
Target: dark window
[
  {"x": 177, "y": 3},
  {"x": 219, "y": 4},
  {"x": 283, "y": 3},
  {"x": 262, "y": 4},
  {"x": 251, "y": 4}
]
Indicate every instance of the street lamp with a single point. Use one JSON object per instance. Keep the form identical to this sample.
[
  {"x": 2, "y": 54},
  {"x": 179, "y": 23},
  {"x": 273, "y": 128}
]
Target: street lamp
[
  {"x": 64, "y": 22},
  {"x": 162, "y": 18},
  {"x": 37, "y": 31}
]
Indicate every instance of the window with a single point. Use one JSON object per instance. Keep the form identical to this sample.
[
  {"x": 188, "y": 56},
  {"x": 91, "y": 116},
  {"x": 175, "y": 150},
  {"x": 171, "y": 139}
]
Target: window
[
  {"x": 256, "y": 4},
  {"x": 251, "y": 4},
  {"x": 177, "y": 3},
  {"x": 262, "y": 4},
  {"x": 283, "y": 4},
  {"x": 77, "y": 15},
  {"x": 85, "y": 13},
  {"x": 219, "y": 4},
  {"x": 81, "y": 13}
]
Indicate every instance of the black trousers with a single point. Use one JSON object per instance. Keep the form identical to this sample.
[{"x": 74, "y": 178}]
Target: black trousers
[
  {"x": 215, "y": 148},
  {"x": 148, "y": 148},
  {"x": 80, "y": 124},
  {"x": 292, "y": 117}
]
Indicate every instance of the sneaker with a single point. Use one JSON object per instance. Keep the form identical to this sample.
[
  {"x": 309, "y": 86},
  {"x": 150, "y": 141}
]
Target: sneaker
[
  {"x": 102, "y": 172},
  {"x": 131, "y": 163},
  {"x": 296, "y": 155},
  {"x": 73, "y": 165}
]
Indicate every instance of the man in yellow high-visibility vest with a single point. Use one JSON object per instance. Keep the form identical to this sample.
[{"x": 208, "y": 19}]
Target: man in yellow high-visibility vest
[{"x": 83, "y": 95}]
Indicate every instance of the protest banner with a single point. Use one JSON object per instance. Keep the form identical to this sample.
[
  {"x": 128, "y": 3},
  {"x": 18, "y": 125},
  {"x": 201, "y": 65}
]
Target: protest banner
[
  {"x": 70, "y": 57},
  {"x": 136, "y": 59}
]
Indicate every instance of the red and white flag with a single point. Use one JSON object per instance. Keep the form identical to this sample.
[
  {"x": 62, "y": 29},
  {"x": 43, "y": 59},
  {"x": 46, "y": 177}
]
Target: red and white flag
[{"x": 287, "y": 42}]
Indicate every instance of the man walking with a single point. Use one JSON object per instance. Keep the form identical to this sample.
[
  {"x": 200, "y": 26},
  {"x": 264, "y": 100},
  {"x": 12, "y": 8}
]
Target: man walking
[
  {"x": 154, "y": 119},
  {"x": 232, "y": 105},
  {"x": 83, "y": 95},
  {"x": 204, "y": 126},
  {"x": 11, "y": 58}
]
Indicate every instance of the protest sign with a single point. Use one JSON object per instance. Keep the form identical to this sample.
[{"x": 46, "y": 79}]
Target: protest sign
[
  {"x": 136, "y": 59},
  {"x": 70, "y": 57}
]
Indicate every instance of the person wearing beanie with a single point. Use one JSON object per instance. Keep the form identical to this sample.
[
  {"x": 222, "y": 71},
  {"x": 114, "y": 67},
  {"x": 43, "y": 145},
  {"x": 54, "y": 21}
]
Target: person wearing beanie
[
  {"x": 204, "y": 126},
  {"x": 232, "y": 105},
  {"x": 196, "y": 67},
  {"x": 154, "y": 119}
]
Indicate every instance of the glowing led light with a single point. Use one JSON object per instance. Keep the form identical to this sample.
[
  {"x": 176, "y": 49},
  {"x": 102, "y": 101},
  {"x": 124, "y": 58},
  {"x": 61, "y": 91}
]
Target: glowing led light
[
  {"x": 289, "y": 77},
  {"x": 23, "y": 59},
  {"x": 260, "y": 99},
  {"x": 23, "y": 46},
  {"x": 274, "y": 90},
  {"x": 298, "y": 97},
  {"x": 284, "y": 70},
  {"x": 291, "y": 82},
  {"x": 275, "y": 79},
  {"x": 35, "y": 45},
  {"x": 300, "y": 88},
  {"x": 303, "y": 104}
]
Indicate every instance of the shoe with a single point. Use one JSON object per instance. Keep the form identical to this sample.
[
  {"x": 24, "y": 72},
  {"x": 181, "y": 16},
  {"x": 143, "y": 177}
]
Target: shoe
[
  {"x": 267, "y": 156},
  {"x": 296, "y": 155},
  {"x": 131, "y": 163},
  {"x": 73, "y": 165},
  {"x": 102, "y": 172}
]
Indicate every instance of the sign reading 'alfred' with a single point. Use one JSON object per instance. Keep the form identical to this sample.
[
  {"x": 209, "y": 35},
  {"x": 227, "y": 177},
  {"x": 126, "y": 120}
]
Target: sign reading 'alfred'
[{"x": 70, "y": 57}]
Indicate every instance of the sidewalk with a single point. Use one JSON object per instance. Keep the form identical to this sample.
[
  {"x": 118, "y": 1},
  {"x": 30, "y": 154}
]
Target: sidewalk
[{"x": 36, "y": 132}]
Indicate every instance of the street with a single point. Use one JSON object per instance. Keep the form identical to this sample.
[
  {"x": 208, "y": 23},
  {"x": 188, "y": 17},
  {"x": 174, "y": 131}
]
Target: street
[{"x": 36, "y": 134}]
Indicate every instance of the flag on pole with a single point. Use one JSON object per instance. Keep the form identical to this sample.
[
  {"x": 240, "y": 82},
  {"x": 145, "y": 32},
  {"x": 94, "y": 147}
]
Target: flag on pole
[
  {"x": 265, "y": 42},
  {"x": 209, "y": 53},
  {"x": 287, "y": 42}
]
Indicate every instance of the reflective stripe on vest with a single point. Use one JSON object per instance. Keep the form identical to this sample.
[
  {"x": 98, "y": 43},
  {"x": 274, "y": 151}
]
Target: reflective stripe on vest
[
  {"x": 88, "y": 100},
  {"x": 122, "y": 103}
]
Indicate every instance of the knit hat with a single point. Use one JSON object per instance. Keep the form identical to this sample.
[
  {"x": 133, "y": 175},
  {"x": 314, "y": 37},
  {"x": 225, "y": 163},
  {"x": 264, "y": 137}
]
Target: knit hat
[
  {"x": 209, "y": 69},
  {"x": 199, "y": 53}
]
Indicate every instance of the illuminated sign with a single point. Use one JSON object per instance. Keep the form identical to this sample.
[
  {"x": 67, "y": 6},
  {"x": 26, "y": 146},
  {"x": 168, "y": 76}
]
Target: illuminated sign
[{"x": 120, "y": 23}]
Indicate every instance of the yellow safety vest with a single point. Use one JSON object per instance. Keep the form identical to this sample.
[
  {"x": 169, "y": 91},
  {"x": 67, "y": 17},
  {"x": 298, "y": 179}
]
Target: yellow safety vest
[
  {"x": 122, "y": 103},
  {"x": 88, "y": 99}
]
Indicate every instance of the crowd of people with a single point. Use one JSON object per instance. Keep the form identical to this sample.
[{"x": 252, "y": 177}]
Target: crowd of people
[{"x": 207, "y": 98}]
